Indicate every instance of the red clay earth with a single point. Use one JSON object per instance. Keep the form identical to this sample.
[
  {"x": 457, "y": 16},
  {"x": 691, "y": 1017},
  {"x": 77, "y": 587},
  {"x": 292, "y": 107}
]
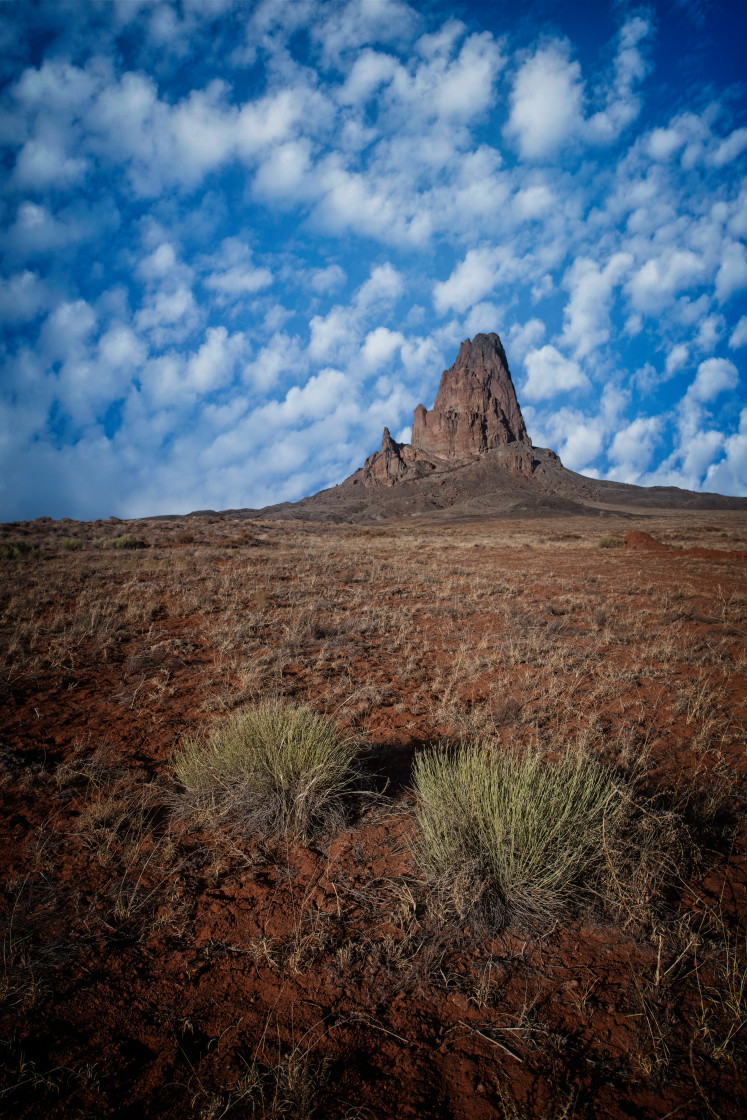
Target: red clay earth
[
  {"x": 152, "y": 965},
  {"x": 639, "y": 539}
]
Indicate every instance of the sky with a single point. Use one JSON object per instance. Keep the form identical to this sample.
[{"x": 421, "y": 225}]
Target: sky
[{"x": 237, "y": 239}]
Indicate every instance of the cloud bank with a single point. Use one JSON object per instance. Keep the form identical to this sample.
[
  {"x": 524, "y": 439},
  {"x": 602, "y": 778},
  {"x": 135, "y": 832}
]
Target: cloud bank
[{"x": 238, "y": 239}]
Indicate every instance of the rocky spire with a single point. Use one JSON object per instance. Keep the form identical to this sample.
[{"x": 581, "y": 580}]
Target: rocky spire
[{"x": 476, "y": 407}]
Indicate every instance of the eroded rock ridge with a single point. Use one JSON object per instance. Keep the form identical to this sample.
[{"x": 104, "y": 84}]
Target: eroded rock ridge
[
  {"x": 475, "y": 408},
  {"x": 475, "y": 411}
]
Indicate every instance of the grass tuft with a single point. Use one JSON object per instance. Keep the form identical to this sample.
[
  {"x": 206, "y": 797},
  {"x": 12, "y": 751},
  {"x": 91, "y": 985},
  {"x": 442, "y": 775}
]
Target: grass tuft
[
  {"x": 16, "y": 550},
  {"x": 127, "y": 541},
  {"x": 275, "y": 767},
  {"x": 611, "y": 542},
  {"x": 512, "y": 838}
]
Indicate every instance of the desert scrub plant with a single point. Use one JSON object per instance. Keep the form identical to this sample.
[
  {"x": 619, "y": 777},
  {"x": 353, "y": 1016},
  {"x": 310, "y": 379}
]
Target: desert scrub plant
[
  {"x": 611, "y": 542},
  {"x": 511, "y": 837},
  {"x": 72, "y": 544},
  {"x": 126, "y": 541},
  {"x": 16, "y": 550},
  {"x": 274, "y": 767}
]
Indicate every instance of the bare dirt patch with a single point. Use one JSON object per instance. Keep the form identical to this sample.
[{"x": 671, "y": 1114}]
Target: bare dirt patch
[{"x": 155, "y": 963}]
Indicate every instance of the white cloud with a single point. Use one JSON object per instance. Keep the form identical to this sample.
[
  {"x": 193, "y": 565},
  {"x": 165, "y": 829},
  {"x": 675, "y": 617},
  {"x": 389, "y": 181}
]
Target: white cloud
[
  {"x": 380, "y": 347},
  {"x": 622, "y": 105},
  {"x": 739, "y": 334},
  {"x": 524, "y": 337},
  {"x": 203, "y": 128},
  {"x": 549, "y": 373},
  {"x": 546, "y": 102},
  {"x": 213, "y": 365},
  {"x": 232, "y": 273},
  {"x": 664, "y": 142},
  {"x": 384, "y": 285},
  {"x": 732, "y": 274},
  {"x": 346, "y": 28},
  {"x": 119, "y": 347},
  {"x": 633, "y": 447},
  {"x": 577, "y": 438},
  {"x": 714, "y": 376},
  {"x": 268, "y": 120},
  {"x": 370, "y": 71},
  {"x": 66, "y": 329},
  {"x": 472, "y": 279},
  {"x": 168, "y": 310},
  {"x": 281, "y": 358},
  {"x": 730, "y": 148},
  {"x": 729, "y": 475},
  {"x": 338, "y": 334},
  {"x": 587, "y": 314},
  {"x": 657, "y": 281},
  {"x": 36, "y": 231},
  {"x": 285, "y": 173},
  {"x": 465, "y": 89},
  {"x": 43, "y": 163},
  {"x": 710, "y": 330},
  {"x": 533, "y": 201},
  {"x": 161, "y": 263},
  {"x": 327, "y": 279},
  {"x": 677, "y": 357},
  {"x": 22, "y": 297},
  {"x": 483, "y": 318}
]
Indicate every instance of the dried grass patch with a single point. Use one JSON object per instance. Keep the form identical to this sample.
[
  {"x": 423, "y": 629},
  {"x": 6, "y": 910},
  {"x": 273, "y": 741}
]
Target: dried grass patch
[
  {"x": 273, "y": 768},
  {"x": 512, "y": 837}
]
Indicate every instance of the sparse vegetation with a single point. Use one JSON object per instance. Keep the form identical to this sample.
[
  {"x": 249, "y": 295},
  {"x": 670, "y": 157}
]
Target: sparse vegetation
[
  {"x": 274, "y": 767},
  {"x": 16, "y": 550},
  {"x": 611, "y": 542},
  {"x": 152, "y": 926},
  {"x": 512, "y": 836},
  {"x": 126, "y": 540}
]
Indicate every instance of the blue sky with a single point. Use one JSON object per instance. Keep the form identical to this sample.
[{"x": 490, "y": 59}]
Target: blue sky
[{"x": 237, "y": 239}]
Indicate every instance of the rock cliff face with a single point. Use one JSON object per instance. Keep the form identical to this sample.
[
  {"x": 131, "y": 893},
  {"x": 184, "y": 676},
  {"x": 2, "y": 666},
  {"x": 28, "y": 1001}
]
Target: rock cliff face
[
  {"x": 476, "y": 407},
  {"x": 395, "y": 462}
]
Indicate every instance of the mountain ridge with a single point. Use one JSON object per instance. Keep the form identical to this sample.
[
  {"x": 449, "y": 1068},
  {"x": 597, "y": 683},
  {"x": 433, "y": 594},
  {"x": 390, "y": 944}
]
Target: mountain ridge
[{"x": 470, "y": 457}]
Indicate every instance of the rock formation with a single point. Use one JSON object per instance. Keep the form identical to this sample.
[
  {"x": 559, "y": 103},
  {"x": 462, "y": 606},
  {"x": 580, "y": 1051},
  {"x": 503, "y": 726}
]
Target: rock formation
[
  {"x": 476, "y": 407},
  {"x": 475, "y": 412},
  {"x": 394, "y": 462},
  {"x": 471, "y": 459}
]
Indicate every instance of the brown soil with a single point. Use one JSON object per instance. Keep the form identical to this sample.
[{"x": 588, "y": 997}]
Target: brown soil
[{"x": 157, "y": 965}]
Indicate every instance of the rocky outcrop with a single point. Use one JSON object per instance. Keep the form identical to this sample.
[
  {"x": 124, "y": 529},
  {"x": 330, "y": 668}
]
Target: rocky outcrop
[
  {"x": 394, "y": 462},
  {"x": 476, "y": 407},
  {"x": 476, "y": 411}
]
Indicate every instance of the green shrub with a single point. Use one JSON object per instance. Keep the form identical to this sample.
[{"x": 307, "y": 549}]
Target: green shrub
[
  {"x": 512, "y": 837},
  {"x": 611, "y": 542},
  {"x": 126, "y": 541},
  {"x": 71, "y": 544},
  {"x": 274, "y": 768},
  {"x": 15, "y": 550}
]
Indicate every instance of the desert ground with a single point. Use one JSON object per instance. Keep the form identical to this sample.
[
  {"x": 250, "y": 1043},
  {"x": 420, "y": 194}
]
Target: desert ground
[{"x": 165, "y": 955}]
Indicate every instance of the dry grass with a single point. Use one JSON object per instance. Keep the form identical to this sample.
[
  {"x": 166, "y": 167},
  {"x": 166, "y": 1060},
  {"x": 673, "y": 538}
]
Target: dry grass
[
  {"x": 520, "y": 636},
  {"x": 513, "y": 836},
  {"x": 274, "y": 768}
]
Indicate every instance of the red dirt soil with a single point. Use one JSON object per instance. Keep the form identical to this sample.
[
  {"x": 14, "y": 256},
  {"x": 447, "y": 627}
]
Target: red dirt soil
[
  {"x": 152, "y": 963},
  {"x": 644, "y": 541}
]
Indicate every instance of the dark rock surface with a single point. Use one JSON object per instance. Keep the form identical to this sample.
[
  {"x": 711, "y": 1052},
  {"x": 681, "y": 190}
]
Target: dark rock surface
[{"x": 476, "y": 407}]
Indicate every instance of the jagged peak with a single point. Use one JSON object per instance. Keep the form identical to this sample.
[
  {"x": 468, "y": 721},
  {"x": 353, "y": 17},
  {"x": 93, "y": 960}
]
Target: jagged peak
[
  {"x": 476, "y": 408},
  {"x": 387, "y": 443}
]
